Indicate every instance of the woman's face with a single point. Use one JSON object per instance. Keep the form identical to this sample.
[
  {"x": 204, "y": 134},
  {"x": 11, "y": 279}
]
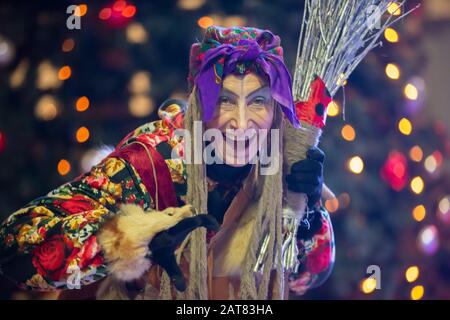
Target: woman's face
[{"x": 245, "y": 105}]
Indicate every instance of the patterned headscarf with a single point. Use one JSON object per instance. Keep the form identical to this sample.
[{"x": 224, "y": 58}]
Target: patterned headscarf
[{"x": 239, "y": 50}]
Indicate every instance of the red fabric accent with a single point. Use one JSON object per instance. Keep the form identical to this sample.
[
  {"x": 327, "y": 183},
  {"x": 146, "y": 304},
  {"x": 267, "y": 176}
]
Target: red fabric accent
[
  {"x": 309, "y": 111},
  {"x": 136, "y": 155}
]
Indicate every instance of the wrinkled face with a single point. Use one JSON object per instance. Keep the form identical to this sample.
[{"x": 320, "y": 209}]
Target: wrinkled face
[{"x": 245, "y": 106}]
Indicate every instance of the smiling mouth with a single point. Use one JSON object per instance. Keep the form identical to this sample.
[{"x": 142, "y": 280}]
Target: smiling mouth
[{"x": 234, "y": 141}]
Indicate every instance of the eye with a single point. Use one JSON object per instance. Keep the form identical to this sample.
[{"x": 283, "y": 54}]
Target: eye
[
  {"x": 258, "y": 102},
  {"x": 226, "y": 102}
]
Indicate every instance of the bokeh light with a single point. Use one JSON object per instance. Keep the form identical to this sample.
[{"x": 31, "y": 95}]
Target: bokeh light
[
  {"x": 63, "y": 167},
  {"x": 412, "y": 273},
  {"x": 82, "y": 134},
  {"x": 430, "y": 163},
  {"x": 136, "y": 33},
  {"x": 81, "y": 10},
  {"x": 391, "y": 35},
  {"x": 68, "y": 45},
  {"x": 428, "y": 240},
  {"x": 333, "y": 109},
  {"x": 405, "y": 126},
  {"x": 417, "y": 185},
  {"x": 205, "y": 22},
  {"x": 443, "y": 210},
  {"x": 416, "y": 153},
  {"x": 368, "y": 285},
  {"x": 394, "y": 8},
  {"x": 348, "y": 133},
  {"x": 419, "y": 212},
  {"x": 64, "y": 73},
  {"x": 141, "y": 105},
  {"x": 417, "y": 292},
  {"x": 190, "y": 4},
  {"x": 332, "y": 205},
  {"x": 47, "y": 108},
  {"x": 82, "y": 104},
  {"x": 411, "y": 92},
  {"x": 392, "y": 71},
  {"x": 356, "y": 165}
]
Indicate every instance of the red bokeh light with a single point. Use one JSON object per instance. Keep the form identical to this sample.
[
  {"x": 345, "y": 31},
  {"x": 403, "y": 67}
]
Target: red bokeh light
[{"x": 395, "y": 170}]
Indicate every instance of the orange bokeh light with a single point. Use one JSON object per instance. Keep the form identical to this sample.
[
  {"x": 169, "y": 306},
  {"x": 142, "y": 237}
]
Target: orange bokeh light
[{"x": 64, "y": 73}]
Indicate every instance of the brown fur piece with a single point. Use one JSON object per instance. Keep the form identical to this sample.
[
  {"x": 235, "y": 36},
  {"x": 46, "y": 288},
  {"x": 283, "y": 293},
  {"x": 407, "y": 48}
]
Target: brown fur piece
[{"x": 125, "y": 237}]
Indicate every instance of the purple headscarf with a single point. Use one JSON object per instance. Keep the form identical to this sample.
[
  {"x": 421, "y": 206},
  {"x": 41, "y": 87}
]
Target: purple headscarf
[{"x": 239, "y": 50}]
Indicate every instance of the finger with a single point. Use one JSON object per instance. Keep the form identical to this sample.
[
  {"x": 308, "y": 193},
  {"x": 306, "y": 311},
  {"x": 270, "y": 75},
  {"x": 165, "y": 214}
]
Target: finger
[
  {"x": 174, "y": 272},
  {"x": 306, "y": 166},
  {"x": 316, "y": 154},
  {"x": 305, "y": 177}
]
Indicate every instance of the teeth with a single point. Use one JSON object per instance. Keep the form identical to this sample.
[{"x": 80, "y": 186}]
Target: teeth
[{"x": 236, "y": 138}]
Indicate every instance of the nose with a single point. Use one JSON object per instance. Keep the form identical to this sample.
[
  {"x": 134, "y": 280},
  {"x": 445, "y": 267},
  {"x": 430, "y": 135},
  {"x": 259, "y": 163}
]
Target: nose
[{"x": 241, "y": 120}]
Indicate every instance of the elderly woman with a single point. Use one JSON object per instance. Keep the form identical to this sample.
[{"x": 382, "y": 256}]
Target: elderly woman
[{"x": 150, "y": 222}]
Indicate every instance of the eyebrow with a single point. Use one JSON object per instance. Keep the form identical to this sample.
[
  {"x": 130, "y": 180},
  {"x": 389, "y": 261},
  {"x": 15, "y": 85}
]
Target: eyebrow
[{"x": 227, "y": 91}]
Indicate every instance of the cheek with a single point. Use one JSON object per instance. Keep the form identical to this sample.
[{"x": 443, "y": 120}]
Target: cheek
[
  {"x": 218, "y": 121},
  {"x": 263, "y": 118}
]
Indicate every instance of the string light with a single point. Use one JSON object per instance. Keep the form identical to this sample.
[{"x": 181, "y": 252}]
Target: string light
[
  {"x": 356, "y": 165},
  {"x": 190, "y": 4},
  {"x": 430, "y": 163},
  {"x": 81, "y": 10},
  {"x": 18, "y": 76},
  {"x": 416, "y": 153},
  {"x": 333, "y": 109},
  {"x": 119, "y": 5},
  {"x": 332, "y": 205},
  {"x": 136, "y": 33},
  {"x": 394, "y": 8},
  {"x": 205, "y": 22},
  {"x": 368, "y": 285},
  {"x": 141, "y": 105},
  {"x": 417, "y": 185},
  {"x": 68, "y": 45},
  {"x": 129, "y": 11},
  {"x": 392, "y": 71},
  {"x": 82, "y": 134},
  {"x": 64, "y": 73},
  {"x": 419, "y": 212},
  {"x": 140, "y": 82},
  {"x": 405, "y": 126},
  {"x": 417, "y": 292},
  {"x": 63, "y": 167},
  {"x": 82, "y": 104},
  {"x": 47, "y": 76},
  {"x": 47, "y": 108},
  {"x": 412, "y": 273},
  {"x": 444, "y": 205},
  {"x": 411, "y": 92},
  {"x": 428, "y": 240},
  {"x": 443, "y": 211},
  {"x": 348, "y": 133},
  {"x": 105, "y": 13},
  {"x": 391, "y": 35}
]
